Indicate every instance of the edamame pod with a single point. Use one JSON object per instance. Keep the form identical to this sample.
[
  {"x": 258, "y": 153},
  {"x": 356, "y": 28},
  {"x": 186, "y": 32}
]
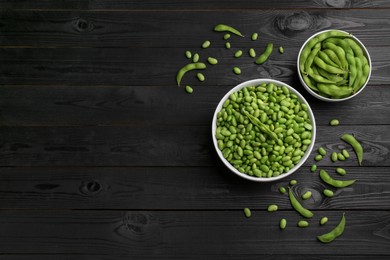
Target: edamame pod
[
  {"x": 321, "y": 64},
  {"x": 359, "y": 74},
  {"x": 227, "y": 28},
  {"x": 264, "y": 56},
  {"x": 298, "y": 207},
  {"x": 335, "y": 233},
  {"x": 334, "y": 90},
  {"x": 357, "y": 147},
  {"x": 187, "y": 68},
  {"x": 310, "y": 58},
  {"x": 335, "y": 183},
  {"x": 352, "y": 69}
]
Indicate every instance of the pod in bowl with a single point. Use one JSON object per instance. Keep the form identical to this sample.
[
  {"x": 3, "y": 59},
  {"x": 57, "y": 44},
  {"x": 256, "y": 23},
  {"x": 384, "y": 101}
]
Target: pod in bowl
[
  {"x": 263, "y": 130},
  {"x": 334, "y": 65}
]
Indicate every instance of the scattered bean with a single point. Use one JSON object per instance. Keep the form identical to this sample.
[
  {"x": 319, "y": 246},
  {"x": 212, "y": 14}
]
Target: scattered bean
[
  {"x": 323, "y": 220},
  {"x": 357, "y": 147},
  {"x": 195, "y": 58},
  {"x": 272, "y": 208},
  {"x": 293, "y": 182},
  {"x": 227, "y": 45},
  {"x": 336, "y": 232},
  {"x": 303, "y": 223},
  {"x": 334, "y": 156},
  {"x": 189, "y": 90},
  {"x": 212, "y": 60},
  {"x": 283, "y": 223},
  {"x": 341, "y": 171},
  {"x": 306, "y": 195},
  {"x": 200, "y": 76},
  {"x": 247, "y": 212},
  {"x": 335, "y": 183},
  {"x": 334, "y": 122},
  {"x": 238, "y": 54},
  {"x": 188, "y": 54},
  {"x": 226, "y": 36},
  {"x": 328, "y": 193},
  {"x": 282, "y": 190},
  {"x": 322, "y": 151},
  {"x": 237, "y": 70},
  {"x": 345, "y": 153},
  {"x": 281, "y": 50},
  {"x": 206, "y": 44},
  {"x": 340, "y": 157},
  {"x": 318, "y": 157},
  {"x": 313, "y": 168},
  {"x": 254, "y": 36},
  {"x": 252, "y": 52}
]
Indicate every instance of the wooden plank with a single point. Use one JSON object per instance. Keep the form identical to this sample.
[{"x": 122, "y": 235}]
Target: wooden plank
[
  {"x": 153, "y": 66},
  {"x": 157, "y": 145},
  {"x": 181, "y": 233},
  {"x": 182, "y": 188},
  {"x": 129, "y": 105},
  {"x": 184, "y": 29},
  {"x": 200, "y": 4}
]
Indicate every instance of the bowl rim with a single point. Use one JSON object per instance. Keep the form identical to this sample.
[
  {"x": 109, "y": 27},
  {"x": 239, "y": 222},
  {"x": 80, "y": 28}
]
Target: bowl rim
[
  {"x": 312, "y": 92},
  {"x": 256, "y": 82}
]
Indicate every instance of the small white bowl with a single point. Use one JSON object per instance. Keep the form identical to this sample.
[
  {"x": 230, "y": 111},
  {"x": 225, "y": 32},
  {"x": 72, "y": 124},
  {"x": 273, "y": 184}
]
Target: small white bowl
[
  {"x": 312, "y": 92},
  {"x": 257, "y": 82}
]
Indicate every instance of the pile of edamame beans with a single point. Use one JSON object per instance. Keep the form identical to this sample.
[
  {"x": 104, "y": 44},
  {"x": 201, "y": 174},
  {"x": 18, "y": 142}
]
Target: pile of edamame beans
[
  {"x": 264, "y": 130},
  {"x": 333, "y": 65}
]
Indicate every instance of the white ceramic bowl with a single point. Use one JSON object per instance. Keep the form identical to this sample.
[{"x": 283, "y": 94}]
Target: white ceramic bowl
[
  {"x": 313, "y": 93},
  {"x": 257, "y": 82}
]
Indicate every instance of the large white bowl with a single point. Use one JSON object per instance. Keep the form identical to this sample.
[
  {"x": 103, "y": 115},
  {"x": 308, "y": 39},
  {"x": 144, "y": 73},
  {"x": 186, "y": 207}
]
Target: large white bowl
[
  {"x": 312, "y": 92},
  {"x": 257, "y": 82}
]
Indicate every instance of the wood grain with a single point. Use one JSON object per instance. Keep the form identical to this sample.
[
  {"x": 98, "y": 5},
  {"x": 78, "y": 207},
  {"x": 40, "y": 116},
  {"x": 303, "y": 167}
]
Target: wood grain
[
  {"x": 200, "y": 4},
  {"x": 153, "y": 66},
  {"x": 158, "y": 146},
  {"x": 182, "y": 188},
  {"x": 189, "y": 29},
  {"x": 180, "y": 234},
  {"x": 156, "y": 105}
]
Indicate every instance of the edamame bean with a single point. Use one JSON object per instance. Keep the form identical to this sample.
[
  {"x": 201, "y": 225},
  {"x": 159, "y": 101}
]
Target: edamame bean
[
  {"x": 322, "y": 151},
  {"x": 237, "y": 70},
  {"x": 334, "y": 122},
  {"x": 282, "y": 190},
  {"x": 206, "y": 44},
  {"x": 189, "y": 90},
  {"x": 328, "y": 193},
  {"x": 212, "y": 60},
  {"x": 306, "y": 195},
  {"x": 195, "y": 58},
  {"x": 272, "y": 208},
  {"x": 335, "y": 233},
  {"x": 340, "y": 157},
  {"x": 293, "y": 182},
  {"x": 313, "y": 168},
  {"x": 264, "y": 56},
  {"x": 226, "y": 36},
  {"x": 188, "y": 54},
  {"x": 227, "y": 28},
  {"x": 335, "y": 183},
  {"x": 357, "y": 147},
  {"x": 187, "y": 68},
  {"x": 281, "y": 50},
  {"x": 247, "y": 212},
  {"x": 334, "y": 156},
  {"x": 323, "y": 220},
  {"x": 298, "y": 207},
  {"x": 283, "y": 223},
  {"x": 238, "y": 54},
  {"x": 227, "y": 45},
  {"x": 200, "y": 77},
  {"x": 341, "y": 171},
  {"x": 318, "y": 157},
  {"x": 252, "y": 52},
  {"x": 303, "y": 223},
  {"x": 254, "y": 36},
  {"x": 345, "y": 153}
]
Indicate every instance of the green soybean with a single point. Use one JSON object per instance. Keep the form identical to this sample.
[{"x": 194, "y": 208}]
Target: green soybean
[
  {"x": 323, "y": 220},
  {"x": 345, "y": 153},
  {"x": 357, "y": 147},
  {"x": 247, "y": 212},
  {"x": 328, "y": 193},
  {"x": 238, "y": 54},
  {"x": 189, "y": 90},
  {"x": 227, "y": 28},
  {"x": 226, "y": 36},
  {"x": 318, "y": 157},
  {"x": 237, "y": 70},
  {"x": 298, "y": 207},
  {"x": 254, "y": 36},
  {"x": 188, "y": 54},
  {"x": 195, "y": 58},
  {"x": 303, "y": 223},
  {"x": 281, "y": 50},
  {"x": 272, "y": 208},
  {"x": 227, "y": 45},
  {"x": 206, "y": 44},
  {"x": 252, "y": 52},
  {"x": 212, "y": 60},
  {"x": 313, "y": 168},
  {"x": 200, "y": 76},
  {"x": 335, "y": 233},
  {"x": 340, "y": 157},
  {"x": 322, "y": 151},
  {"x": 325, "y": 177},
  {"x": 282, "y": 190},
  {"x": 306, "y": 195},
  {"x": 293, "y": 182},
  {"x": 334, "y": 122},
  {"x": 283, "y": 223},
  {"x": 341, "y": 171},
  {"x": 264, "y": 56},
  {"x": 187, "y": 68}
]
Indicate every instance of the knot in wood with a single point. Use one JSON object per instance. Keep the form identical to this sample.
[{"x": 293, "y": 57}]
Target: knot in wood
[
  {"x": 338, "y": 3},
  {"x": 90, "y": 188},
  {"x": 294, "y": 22},
  {"x": 82, "y": 25},
  {"x": 135, "y": 221}
]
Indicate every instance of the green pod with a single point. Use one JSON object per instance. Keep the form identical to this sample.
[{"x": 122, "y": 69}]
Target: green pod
[
  {"x": 310, "y": 58},
  {"x": 357, "y": 147},
  {"x": 339, "y": 52},
  {"x": 352, "y": 69},
  {"x": 187, "y": 68},
  {"x": 359, "y": 74},
  {"x": 331, "y": 69},
  {"x": 298, "y": 207},
  {"x": 334, "y": 91},
  {"x": 227, "y": 28},
  {"x": 325, "y": 177},
  {"x": 336, "y": 232},
  {"x": 264, "y": 56},
  {"x": 306, "y": 52}
]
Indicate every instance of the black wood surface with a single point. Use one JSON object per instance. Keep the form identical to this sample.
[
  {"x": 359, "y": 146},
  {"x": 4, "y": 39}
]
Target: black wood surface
[{"x": 103, "y": 156}]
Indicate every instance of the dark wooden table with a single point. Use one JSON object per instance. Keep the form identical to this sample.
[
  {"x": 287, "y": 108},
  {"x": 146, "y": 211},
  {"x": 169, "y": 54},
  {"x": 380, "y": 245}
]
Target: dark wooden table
[{"x": 103, "y": 157}]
